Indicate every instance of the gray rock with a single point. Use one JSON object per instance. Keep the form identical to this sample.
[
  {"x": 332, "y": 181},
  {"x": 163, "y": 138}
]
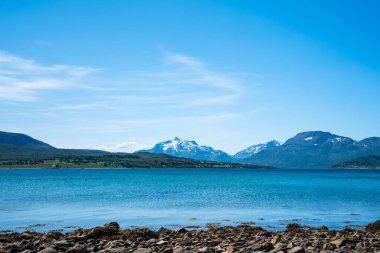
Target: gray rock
[
  {"x": 204, "y": 249},
  {"x": 343, "y": 242},
  {"x": 112, "y": 224},
  {"x": 296, "y": 250},
  {"x": 167, "y": 250},
  {"x": 143, "y": 250},
  {"x": 230, "y": 249},
  {"x": 186, "y": 241},
  {"x": 329, "y": 246},
  {"x": 161, "y": 242},
  {"x": 78, "y": 249},
  {"x": 263, "y": 247},
  {"x": 178, "y": 250},
  {"x": 48, "y": 250}
]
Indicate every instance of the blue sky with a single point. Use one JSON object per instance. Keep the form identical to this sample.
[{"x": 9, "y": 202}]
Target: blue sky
[{"x": 123, "y": 75}]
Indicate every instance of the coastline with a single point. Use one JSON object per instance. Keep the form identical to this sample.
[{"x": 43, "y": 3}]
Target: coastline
[{"x": 244, "y": 238}]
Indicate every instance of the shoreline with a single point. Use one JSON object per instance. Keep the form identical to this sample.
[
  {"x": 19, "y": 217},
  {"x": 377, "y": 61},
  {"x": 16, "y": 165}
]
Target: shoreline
[{"x": 215, "y": 239}]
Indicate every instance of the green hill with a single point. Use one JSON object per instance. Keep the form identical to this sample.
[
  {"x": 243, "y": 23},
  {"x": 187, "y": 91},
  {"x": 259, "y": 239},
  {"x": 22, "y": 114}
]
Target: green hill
[
  {"x": 22, "y": 151},
  {"x": 369, "y": 162}
]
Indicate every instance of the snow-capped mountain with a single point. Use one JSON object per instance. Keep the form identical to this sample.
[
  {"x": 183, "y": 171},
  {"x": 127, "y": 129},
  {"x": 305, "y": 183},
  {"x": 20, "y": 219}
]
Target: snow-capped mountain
[
  {"x": 252, "y": 150},
  {"x": 189, "y": 149},
  {"x": 315, "y": 149},
  {"x": 315, "y": 138}
]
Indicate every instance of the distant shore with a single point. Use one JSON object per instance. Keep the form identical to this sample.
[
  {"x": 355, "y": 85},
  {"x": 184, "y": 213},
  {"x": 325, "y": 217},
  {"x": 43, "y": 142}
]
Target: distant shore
[
  {"x": 142, "y": 160},
  {"x": 110, "y": 238}
]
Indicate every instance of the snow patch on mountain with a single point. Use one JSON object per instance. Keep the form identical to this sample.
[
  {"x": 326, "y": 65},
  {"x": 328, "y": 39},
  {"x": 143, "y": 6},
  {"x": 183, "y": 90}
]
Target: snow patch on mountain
[
  {"x": 189, "y": 149},
  {"x": 255, "y": 149}
]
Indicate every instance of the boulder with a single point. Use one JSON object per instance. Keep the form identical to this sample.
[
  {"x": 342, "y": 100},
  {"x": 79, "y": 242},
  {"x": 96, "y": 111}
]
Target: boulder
[
  {"x": 99, "y": 232},
  {"x": 373, "y": 227},
  {"x": 112, "y": 224},
  {"x": 294, "y": 228}
]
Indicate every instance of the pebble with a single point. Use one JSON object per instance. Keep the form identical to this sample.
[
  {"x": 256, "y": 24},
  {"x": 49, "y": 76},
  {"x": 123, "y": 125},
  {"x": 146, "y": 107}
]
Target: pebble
[{"x": 216, "y": 239}]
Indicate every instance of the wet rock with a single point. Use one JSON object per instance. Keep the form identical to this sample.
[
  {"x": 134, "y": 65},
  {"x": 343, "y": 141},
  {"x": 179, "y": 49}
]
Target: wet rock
[
  {"x": 182, "y": 231},
  {"x": 294, "y": 228},
  {"x": 54, "y": 234},
  {"x": 99, "y": 232},
  {"x": 266, "y": 234},
  {"x": 110, "y": 239},
  {"x": 112, "y": 224}
]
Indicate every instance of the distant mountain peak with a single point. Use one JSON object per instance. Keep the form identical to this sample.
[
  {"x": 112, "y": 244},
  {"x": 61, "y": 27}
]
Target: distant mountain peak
[
  {"x": 316, "y": 149},
  {"x": 177, "y": 144},
  {"x": 255, "y": 149},
  {"x": 317, "y": 138},
  {"x": 188, "y": 149}
]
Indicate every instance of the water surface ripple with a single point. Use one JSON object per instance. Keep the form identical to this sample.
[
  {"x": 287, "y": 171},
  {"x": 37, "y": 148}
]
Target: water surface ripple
[{"x": 44, "y": 199}]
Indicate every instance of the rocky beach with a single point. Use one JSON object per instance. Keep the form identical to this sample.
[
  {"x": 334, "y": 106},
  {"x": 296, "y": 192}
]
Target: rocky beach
[{"x": 215, "y": 239}]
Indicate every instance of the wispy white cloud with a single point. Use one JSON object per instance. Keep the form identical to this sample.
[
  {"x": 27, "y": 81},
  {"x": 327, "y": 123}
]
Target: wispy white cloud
[
  {"x": 184, "y": 60},
  {"x": 200, "y": 73},
  {"x": 22, "y": 79},
  {"x": 128, "y": 147},
  {"x": 182, "y": 82}
]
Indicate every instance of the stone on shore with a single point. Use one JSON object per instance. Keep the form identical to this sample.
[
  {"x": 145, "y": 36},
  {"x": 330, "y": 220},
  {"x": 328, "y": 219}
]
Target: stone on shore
[{"x": 109, "y": 238}]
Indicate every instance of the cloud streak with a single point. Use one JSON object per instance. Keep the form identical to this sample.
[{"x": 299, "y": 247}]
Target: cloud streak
[
  {"x": 201, "y": 74},
  {"x": 23, "y": 79},
  {"x": 183, "y": 82}
]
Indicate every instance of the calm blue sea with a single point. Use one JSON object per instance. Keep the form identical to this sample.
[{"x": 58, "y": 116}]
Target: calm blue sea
[{"x": 45, "y": 199}]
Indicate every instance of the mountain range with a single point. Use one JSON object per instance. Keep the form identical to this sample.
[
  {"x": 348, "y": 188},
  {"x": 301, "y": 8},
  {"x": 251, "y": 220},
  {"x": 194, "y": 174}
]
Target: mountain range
[
  {"x": 22, "y": 151},
  {"x": 316, "y": 149},
  {"x": 313, "y": 149}
]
